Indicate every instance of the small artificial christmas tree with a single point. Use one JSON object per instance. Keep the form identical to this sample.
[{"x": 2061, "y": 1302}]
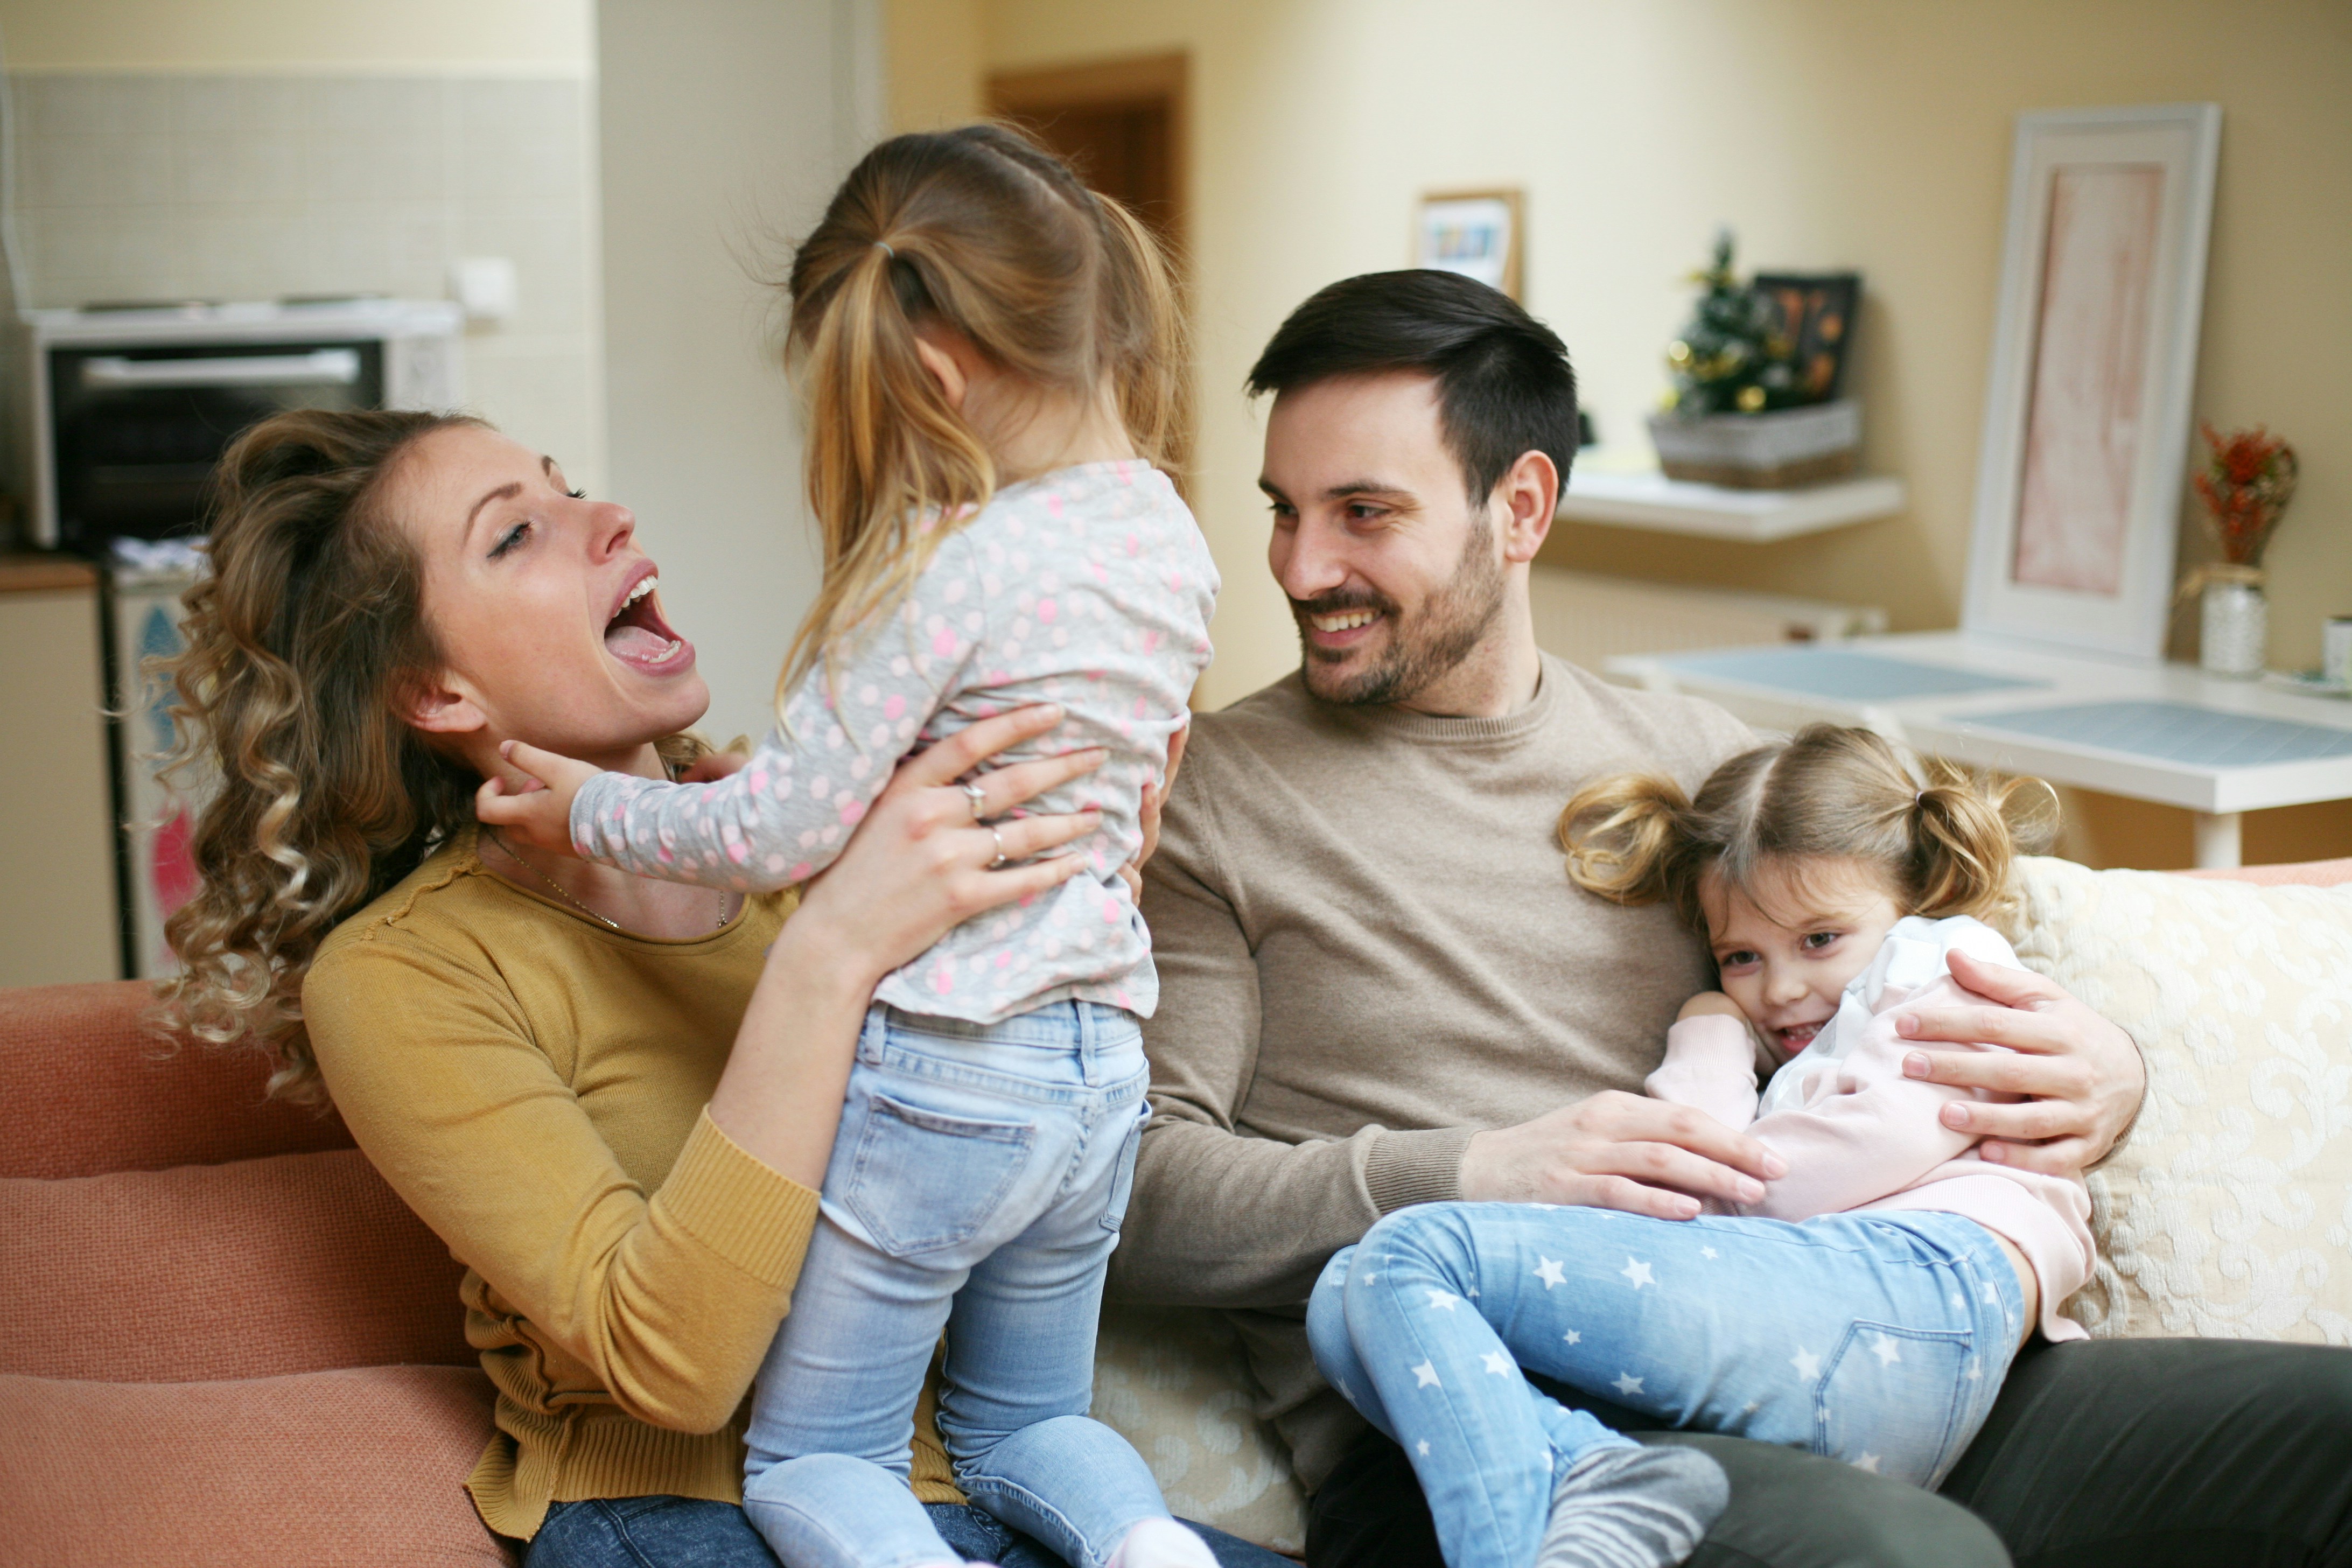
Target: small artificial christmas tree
[{"x": 1732, "y": 358}]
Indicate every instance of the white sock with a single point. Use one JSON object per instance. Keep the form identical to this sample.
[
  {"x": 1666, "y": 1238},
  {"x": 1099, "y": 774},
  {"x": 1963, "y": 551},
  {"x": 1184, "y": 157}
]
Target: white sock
[
  {"x": 1633, "y": 1508},
  {"x": 1162, "y": 1543}
]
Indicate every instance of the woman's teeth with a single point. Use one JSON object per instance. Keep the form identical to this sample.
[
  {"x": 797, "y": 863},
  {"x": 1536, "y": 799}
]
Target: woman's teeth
[
  {"x": 640, "y": 591},
  {"x": 1347, "y": 622}
]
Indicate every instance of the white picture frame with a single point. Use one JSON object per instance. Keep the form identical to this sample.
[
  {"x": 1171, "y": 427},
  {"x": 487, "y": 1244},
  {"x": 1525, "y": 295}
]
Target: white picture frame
[{"x": 2095, "y": 353}]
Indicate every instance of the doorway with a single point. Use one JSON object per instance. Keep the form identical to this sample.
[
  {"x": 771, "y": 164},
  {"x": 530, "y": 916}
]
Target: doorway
[{"x": 1121, "y": 124}]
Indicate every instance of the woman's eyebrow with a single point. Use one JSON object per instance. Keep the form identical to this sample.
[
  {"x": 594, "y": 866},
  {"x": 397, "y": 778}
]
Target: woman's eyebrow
[{"x": 505, "y": 492}]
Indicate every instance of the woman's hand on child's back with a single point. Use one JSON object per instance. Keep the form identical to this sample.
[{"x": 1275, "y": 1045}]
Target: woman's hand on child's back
[
  {"x": 536, "y": 806},
  {"x": 924, "y": 861},
  {"x": 2080, "y": 1076}
]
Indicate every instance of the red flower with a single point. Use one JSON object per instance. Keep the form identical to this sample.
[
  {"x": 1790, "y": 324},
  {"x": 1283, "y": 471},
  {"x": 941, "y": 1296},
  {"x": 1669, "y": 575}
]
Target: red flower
[{"x": 2245, "y": 486}]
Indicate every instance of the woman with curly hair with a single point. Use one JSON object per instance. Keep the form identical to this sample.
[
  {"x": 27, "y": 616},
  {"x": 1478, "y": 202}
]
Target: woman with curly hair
[{"x": 612, "y": 1097}]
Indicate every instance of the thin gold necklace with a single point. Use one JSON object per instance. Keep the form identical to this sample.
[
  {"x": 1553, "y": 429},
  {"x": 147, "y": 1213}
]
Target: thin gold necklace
[{"x": 557, "y": 887}]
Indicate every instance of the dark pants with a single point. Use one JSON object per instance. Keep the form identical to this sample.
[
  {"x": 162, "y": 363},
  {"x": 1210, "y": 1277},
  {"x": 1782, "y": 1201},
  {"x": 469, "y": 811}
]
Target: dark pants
[
  {"x": 689, "y": 1532},
  {"x": 2112, "y": 1454}
]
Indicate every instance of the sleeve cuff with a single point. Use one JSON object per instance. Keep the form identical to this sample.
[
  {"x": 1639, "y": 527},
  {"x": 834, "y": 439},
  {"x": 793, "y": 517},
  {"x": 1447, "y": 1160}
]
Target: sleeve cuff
[
  {"x": 1712, "y": 1042},
  {"x": 755, "y": 1219},
  {"x": 1407, "y": 1168}
]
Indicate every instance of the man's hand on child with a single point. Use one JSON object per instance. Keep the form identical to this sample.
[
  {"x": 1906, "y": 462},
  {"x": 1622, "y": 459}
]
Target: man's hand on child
[
  {"x": 2080, "y": 1077},
  {"x": 535, "y": 806}
]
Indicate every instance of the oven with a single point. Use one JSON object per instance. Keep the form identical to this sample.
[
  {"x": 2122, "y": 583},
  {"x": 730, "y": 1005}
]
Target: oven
[{"x": 122, "y": 415}]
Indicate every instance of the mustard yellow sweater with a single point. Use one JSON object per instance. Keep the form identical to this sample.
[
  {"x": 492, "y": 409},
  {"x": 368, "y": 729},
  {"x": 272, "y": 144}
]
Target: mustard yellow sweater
[{"x": 533, "y": 1084}]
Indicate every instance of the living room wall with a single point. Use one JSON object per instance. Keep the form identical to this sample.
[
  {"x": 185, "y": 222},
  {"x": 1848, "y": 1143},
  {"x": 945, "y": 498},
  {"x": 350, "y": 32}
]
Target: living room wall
[{"x": 1828, "y": 133}]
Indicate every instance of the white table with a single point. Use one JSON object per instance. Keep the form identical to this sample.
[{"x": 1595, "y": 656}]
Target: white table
[{"x": 2165, "y": 733}]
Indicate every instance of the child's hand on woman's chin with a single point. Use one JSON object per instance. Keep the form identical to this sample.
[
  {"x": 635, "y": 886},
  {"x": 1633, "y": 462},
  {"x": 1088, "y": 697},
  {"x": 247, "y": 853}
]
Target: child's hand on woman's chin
[{"x": 535, "y": 809}]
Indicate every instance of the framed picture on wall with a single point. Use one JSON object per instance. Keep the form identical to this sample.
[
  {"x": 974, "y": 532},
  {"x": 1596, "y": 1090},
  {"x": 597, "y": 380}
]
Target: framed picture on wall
[
  {"x": 1475, "y": 233},
  {"x": 2094, "y": 348}
]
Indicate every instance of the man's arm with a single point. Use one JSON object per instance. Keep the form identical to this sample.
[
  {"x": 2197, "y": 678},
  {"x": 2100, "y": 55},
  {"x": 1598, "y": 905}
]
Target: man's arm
[
  {"x": 1219, "y": 1217},
  {"x": 2082, "y": 1077}
]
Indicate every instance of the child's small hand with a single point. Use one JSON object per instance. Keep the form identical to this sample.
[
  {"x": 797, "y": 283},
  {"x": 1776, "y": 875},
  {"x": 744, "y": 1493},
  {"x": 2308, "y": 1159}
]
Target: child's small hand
[
  {"x": 1708, "y": 1002},
  {"x": 536, "y": 808}
]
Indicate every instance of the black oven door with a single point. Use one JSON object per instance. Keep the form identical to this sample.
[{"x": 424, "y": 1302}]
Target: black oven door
[{"x": 140, "y": 429}]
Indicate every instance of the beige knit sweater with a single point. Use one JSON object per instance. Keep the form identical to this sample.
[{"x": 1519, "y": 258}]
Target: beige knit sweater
[{"x": 1368, "y": 950}]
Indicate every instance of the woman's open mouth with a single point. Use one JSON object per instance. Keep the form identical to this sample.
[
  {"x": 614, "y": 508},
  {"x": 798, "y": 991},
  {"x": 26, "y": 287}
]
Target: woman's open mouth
[{"x": 639, "y": 638}]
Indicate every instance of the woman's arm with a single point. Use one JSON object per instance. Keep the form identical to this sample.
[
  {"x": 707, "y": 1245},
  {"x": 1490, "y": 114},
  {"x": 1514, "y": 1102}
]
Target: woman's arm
[
  {"x": 917, "y": 867},
  {"x": 665, "y": 1296}
]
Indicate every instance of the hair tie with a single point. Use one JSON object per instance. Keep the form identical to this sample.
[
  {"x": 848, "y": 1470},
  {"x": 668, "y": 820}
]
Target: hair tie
[{"x": 885, "y": 249}]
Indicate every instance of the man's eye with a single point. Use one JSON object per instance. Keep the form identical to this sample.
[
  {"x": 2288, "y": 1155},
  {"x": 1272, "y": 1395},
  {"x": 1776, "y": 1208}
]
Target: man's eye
[
  {"x": 508, "y": 539},
  {"x": 1817, "y": 940}
]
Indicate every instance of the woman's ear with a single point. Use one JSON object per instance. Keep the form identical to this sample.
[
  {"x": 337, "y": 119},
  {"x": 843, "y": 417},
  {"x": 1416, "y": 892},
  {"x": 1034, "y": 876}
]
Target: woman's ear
[{"x": 437, "y": 707}]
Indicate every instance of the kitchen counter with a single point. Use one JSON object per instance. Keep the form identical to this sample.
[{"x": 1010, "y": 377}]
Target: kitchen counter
[{"x": 42, "y": 574}]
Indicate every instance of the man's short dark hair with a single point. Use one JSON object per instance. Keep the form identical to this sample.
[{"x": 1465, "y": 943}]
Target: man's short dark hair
[{"x": 1504, "y": 383}]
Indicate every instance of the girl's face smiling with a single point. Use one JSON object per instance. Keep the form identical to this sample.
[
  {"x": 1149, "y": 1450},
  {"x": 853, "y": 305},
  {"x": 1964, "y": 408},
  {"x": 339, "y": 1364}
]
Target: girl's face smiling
[{"x": 1787, "y": 944}]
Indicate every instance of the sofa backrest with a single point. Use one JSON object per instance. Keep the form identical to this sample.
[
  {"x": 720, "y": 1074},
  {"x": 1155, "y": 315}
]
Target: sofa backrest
[
  {"x": 165, "y": 1221},
  {"x": 85, "y": 1087}
]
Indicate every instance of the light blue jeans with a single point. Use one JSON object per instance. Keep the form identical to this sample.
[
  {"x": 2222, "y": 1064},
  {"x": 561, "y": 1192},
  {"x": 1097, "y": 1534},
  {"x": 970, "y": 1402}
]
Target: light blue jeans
[
  {"x": 1881, "y": 1340},
  {"x": 976, "y": 1186}
]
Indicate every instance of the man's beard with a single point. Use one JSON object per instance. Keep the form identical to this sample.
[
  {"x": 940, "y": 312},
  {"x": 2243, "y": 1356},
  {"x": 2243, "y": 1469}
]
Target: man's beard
[{"x": 1452, "y": 623}]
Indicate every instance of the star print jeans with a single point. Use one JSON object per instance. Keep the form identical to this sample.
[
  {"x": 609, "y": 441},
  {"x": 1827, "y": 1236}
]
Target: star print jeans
[
  {"x": 1878, "y": 1339},
  {"x": 977, "y": 1185}
]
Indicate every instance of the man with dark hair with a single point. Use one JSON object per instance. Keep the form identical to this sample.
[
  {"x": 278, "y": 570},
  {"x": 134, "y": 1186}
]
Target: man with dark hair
[{"x": 1379, "y": 988}]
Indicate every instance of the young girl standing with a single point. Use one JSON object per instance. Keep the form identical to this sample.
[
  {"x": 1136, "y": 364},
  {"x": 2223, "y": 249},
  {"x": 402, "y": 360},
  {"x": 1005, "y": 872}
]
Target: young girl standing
[
  {"x": 989, "y": 353},
  {"x": 1866, "y": 1309}
]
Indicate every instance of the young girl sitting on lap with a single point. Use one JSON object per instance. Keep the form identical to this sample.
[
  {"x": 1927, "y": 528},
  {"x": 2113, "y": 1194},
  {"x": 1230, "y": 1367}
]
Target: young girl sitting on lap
[
  {"x": 1866, "y": 1310},
  {"x": 989, "y": 351}
]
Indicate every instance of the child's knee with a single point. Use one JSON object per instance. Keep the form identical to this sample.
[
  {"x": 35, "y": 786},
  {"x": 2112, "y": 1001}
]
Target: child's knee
[{"x": 1327, "y": 1318}]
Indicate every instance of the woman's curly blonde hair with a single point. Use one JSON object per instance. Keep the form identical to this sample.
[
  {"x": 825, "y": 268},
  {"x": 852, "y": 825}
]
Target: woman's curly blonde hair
[{"x": 300, "y": 640}]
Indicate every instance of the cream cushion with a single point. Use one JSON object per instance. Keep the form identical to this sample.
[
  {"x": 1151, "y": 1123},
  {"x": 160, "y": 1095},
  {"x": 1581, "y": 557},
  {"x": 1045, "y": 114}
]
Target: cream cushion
[
  {"x": 2228, "y": 1211},
  {"x": 1173, "y": 1382}
]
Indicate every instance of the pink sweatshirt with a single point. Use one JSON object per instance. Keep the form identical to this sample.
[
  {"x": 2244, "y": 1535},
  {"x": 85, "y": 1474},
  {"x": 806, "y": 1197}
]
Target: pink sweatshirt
[{"x": 1857, "y": 1134}]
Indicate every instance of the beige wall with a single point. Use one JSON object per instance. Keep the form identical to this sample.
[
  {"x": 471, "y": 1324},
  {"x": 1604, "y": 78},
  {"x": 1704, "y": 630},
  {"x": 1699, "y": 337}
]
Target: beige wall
[
  {"x": 1868, "y": 133},
  {"x": 389, "y": 36},
  {"x": 726, "y": 125}
]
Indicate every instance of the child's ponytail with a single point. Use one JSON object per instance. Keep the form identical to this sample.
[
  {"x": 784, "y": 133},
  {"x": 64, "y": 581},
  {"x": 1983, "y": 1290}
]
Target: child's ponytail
[
  {"x": 1945, "y": 840},
  {"x": 1623, "y": 835},
  {"x": 1967, "y": 831},
  {"x": 980, "y": 234},
  {"x": 885, "y": 448}
]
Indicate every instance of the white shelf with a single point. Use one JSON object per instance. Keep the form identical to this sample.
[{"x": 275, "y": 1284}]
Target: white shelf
[{"x": 1650, "y": 499}]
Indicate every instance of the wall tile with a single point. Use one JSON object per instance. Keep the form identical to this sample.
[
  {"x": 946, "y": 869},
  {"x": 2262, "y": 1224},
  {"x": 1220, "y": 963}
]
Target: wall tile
[
  {"x": 162, "y": 187},
  {"x": 523, "y": 139}
]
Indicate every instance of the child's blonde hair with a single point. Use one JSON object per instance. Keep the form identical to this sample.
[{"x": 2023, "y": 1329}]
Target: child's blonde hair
[
  {"x": 1945, "y": 840},
  {"x": 980, "y": 231}
]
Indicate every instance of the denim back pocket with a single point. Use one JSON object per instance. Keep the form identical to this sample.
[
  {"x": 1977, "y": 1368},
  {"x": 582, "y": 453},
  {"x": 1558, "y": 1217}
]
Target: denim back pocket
[
  {"x": 922, "y": 1180},
  {"x": 1890, "y": 1399},
  {"x": 1122, "y": 1182}
]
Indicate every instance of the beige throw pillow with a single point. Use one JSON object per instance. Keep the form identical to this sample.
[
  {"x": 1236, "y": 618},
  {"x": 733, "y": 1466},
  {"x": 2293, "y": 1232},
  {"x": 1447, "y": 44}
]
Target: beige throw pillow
[
  {"x": 2228, "y": 1212},
  {"x": 1174, "y": 1381}
]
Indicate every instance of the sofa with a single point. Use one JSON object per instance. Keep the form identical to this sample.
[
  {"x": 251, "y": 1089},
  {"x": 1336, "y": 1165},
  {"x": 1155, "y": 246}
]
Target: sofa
[{"x": 222, "y": 1340}]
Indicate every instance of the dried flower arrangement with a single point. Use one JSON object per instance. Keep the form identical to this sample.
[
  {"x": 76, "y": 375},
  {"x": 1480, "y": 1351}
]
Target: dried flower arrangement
[{"x": 2245, "y": 485}]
